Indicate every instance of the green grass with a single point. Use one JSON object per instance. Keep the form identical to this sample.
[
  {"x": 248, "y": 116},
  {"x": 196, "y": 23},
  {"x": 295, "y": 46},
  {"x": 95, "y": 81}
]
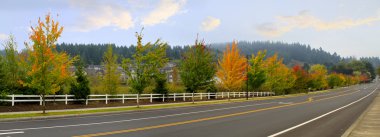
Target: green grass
[
  {"x": 103, "y": 110},
  {"x": 134, "y": 108}
]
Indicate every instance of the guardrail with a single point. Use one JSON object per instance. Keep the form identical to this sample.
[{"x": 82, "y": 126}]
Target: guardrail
[{"x": 123, "y": 97}]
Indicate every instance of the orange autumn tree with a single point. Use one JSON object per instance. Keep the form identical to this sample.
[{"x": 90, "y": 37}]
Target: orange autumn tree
[
  {"x": 232, "y": 68},
  {"x": 48, "y": 69}
]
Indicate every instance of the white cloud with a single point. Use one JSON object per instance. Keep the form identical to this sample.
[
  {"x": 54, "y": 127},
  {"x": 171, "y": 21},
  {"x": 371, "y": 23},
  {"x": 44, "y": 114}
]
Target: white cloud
[
  {"x": 164, "y": 10},
  {"x": 3, "y": 36},
  {"x": 210, "y": 23},
  {"x": 304, "y": 20},
  {"x": 97, "y": 15}
]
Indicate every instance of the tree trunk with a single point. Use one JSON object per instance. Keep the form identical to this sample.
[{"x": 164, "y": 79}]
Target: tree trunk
[
  {"x": 43, "y": 104},
  {"x": 138, "y": 100},
  {"x": 192, "y": 97},
  {"x": 228, "y": 95}
]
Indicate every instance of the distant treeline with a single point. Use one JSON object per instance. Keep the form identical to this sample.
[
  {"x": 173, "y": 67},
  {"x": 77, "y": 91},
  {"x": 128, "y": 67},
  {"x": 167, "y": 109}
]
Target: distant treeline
[{"x": 291, "y": 53}]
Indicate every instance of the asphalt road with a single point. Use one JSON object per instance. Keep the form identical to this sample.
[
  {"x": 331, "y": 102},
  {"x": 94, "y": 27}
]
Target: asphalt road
[{"x": 327, "y": 114}]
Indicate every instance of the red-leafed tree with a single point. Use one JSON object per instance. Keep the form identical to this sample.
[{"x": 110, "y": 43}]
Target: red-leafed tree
[{"x": 301, "y": 79}]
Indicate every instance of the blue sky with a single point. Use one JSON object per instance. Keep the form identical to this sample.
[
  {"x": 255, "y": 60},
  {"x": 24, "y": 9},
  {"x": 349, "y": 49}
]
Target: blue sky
[{"x": 348, "y": 27}]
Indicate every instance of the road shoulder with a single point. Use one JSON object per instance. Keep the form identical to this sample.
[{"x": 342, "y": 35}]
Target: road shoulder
[{"x": 368, "y": 124}]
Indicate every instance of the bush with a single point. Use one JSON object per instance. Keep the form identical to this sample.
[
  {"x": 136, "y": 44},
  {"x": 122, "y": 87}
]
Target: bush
[
  {"x": 174, "y": 88},
  {"x": 160, "y": 87}
]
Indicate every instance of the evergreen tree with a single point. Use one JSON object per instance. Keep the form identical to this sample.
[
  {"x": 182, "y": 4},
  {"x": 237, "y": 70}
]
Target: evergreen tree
[
  {"x": 80, "y": 88},
  {"x": 160, "y": 87}
]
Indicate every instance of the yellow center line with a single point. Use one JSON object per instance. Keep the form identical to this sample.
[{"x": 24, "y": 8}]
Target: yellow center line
[{"x": 206, "y": 119}]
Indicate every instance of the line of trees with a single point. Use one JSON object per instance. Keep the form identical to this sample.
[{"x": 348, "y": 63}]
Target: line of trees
[
  {"x": 271, "y": 74},
  {"x": 42, "y": 69},
  {"x": 291, "y": 53}
]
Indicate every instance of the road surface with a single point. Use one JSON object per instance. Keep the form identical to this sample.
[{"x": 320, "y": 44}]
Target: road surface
[{"x": 326, "y": 114}]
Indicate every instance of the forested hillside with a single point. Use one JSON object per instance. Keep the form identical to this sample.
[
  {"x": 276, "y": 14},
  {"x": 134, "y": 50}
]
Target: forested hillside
[
  {"x": 295, "y": 51},
  {"x": 92, "y": 53}
]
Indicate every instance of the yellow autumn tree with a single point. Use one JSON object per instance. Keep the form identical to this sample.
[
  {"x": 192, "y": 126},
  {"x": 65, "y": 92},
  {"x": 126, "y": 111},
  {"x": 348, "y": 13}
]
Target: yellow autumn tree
[
  {"x": 232, "y": 68},
  {"x": 47, "y": 69},
  {"x": 279, "y": 77}
]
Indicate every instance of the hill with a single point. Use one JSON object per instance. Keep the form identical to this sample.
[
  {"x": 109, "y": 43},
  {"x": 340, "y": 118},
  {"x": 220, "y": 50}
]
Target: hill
[{"x": 291, "y": 53}]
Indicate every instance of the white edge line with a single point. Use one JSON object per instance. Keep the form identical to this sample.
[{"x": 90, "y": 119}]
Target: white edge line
[
  {"x": 314, "y": 119},
  {"x": 8, "y": 133},
  {"x": 128, "y": 120}
]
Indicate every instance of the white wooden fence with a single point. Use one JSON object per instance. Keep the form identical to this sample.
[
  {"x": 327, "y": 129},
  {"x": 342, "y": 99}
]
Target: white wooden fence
[{"x": 123, "y": 97}]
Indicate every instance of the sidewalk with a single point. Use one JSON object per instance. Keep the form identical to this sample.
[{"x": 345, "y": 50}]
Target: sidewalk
[{"x": 368, "y": 124}]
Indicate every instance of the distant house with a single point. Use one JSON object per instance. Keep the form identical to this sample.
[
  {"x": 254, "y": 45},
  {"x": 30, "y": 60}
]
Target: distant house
[
  {"x": 99, "y": 69},
  {"x": 94, "y": 70},
  {"x": 168, "y": 70}
]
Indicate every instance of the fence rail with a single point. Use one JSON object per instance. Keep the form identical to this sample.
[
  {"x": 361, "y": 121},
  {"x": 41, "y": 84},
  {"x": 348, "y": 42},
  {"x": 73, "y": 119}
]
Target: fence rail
[{"x": 123, "y": 97}]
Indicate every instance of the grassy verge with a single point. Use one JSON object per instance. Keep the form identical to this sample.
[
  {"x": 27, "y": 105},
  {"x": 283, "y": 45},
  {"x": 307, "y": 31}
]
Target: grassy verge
[{"x": 133, "y": 108}]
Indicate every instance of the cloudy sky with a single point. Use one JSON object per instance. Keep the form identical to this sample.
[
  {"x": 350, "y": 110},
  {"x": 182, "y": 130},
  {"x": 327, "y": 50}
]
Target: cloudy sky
[{"x": 348, "y": 27}]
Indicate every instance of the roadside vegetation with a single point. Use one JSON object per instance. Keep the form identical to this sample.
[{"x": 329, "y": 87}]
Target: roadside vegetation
[{"x": 42, "y": 69}]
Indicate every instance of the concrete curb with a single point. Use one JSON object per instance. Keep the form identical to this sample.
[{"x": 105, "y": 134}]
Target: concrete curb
[{"x": 357, "y": 121}]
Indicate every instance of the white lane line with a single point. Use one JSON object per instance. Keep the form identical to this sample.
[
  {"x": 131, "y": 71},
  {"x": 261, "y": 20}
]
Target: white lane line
[
  {"x": 8, "y": 133},
  {"x": 332, "y": 93},
  {"x": 321, "y": 116},
  {"x": 137, "y": 119}
]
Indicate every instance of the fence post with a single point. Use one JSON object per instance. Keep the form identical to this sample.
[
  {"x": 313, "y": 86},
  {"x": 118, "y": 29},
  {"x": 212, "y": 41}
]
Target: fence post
[
  {"x": 65, "y": 99},
  {"x": 184, "y": 96},
  {"x": 138, "y": 100},
  {"x": 234, "y": 94},
  {"x": 239, "y": 94},
  {"x": 228, "y": 95},
  {"x": 174, "y": 97},
  {"x": 208, "y": 95},
  {"x": 222, "y": 94},
  {"x": 216, "y": 95},
  {"x": 87, "y": 100},
  {"x": 163, "y": 98},
  {"x": 192, "y": 97},
  {"x": 201, "y": 95},
  {"x": 151, "y": 97},
  {"x": 40, "y": 101},
  {"x": 106, "y": 98},
  {"x": 13, "y": 100},
  {"x": 123, "y": 98}
]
